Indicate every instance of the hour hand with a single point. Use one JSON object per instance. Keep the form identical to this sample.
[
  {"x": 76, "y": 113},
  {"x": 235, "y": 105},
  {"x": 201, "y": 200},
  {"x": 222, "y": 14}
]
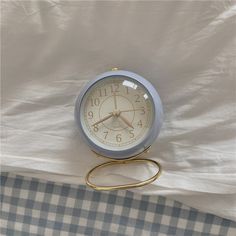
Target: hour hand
[
  {"x": 103, "y": 119},
  {"x": 126, "y": 121}
]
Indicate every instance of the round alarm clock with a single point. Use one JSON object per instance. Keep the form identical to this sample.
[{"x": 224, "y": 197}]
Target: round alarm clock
[{"x": 119, "y": 114}]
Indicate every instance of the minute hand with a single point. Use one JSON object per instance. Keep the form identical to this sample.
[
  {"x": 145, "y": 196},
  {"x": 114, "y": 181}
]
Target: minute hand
[{"x": 115, "y": 101}]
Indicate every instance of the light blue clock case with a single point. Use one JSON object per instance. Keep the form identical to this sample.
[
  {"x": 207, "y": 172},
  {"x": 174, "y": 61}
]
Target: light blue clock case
[{"x": 155, "y": 127}]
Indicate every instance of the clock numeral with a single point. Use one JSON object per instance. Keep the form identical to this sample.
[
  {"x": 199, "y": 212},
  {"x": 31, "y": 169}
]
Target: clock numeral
[
  {"x": 106, "y": 133},
  {"x": 90, "y": 115},
  {"x": 102, "y": 92},
  {"x": 131, "y": 132},
  {"x": 127, "y": 90},
  {"x": 137, "y": 98},
  {"x": 118, "y": 138},
  {"x": 142, "y": 111},
  {"x": 95, "y": 128},
  {"x": 95, "y": 102},
  {"x": 115, "y": 88},
  {"x": 140, "y": 124}
]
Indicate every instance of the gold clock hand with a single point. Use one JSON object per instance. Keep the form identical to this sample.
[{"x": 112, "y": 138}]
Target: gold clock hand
[
  {"x": 103, "y": 119},
  {"x": 138, "y": 109},
  {"x": 115, "y": 101},
  {"x": 126, "y": 121}
]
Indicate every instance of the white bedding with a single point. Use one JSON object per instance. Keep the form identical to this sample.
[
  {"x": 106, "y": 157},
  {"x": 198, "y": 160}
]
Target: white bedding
[{"x": 50, "y": 49}]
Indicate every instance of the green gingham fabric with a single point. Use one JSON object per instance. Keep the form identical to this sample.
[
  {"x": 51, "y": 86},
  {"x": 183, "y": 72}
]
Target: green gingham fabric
[{"x": 30, "y": 206}]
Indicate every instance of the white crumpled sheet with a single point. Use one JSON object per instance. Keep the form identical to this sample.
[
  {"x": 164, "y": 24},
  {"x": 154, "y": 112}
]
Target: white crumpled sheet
[{"x": 50, "y": 49}]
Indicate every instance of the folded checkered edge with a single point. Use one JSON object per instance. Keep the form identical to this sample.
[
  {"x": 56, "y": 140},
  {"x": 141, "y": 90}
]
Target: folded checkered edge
[{"x": 30, "y": 206}]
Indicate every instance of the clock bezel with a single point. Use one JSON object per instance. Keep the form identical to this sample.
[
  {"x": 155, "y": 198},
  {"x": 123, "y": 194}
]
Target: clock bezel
[{"x": 155, "y": 126}]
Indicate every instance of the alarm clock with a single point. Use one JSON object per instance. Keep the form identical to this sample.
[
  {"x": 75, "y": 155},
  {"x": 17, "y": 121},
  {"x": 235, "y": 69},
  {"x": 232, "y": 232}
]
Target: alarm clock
[{"x": 119, "y": 114}]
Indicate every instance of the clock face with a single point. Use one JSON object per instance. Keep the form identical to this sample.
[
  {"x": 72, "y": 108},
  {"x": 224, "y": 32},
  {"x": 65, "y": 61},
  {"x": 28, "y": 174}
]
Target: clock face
[{"x": 117, "y": 113}]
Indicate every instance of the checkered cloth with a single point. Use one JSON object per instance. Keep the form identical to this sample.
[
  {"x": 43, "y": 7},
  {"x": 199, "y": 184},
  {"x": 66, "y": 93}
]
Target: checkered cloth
[{"x": 35, "y": 207}]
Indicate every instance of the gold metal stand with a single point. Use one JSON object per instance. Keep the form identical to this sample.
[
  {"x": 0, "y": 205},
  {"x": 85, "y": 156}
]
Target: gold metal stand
[{"x": 123, "y": 162}]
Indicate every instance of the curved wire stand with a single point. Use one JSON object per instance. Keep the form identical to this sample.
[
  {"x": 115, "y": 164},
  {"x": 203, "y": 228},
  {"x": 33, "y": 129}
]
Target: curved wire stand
[{"x": 123, "y": 162}]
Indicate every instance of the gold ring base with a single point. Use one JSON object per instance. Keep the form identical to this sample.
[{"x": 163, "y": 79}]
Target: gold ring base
[{"x": 123, "y": 186}]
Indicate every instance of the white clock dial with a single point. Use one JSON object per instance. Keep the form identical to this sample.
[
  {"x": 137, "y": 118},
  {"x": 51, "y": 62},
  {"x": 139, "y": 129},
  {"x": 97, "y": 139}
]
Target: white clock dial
[{"x": 117, "y": 113}]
